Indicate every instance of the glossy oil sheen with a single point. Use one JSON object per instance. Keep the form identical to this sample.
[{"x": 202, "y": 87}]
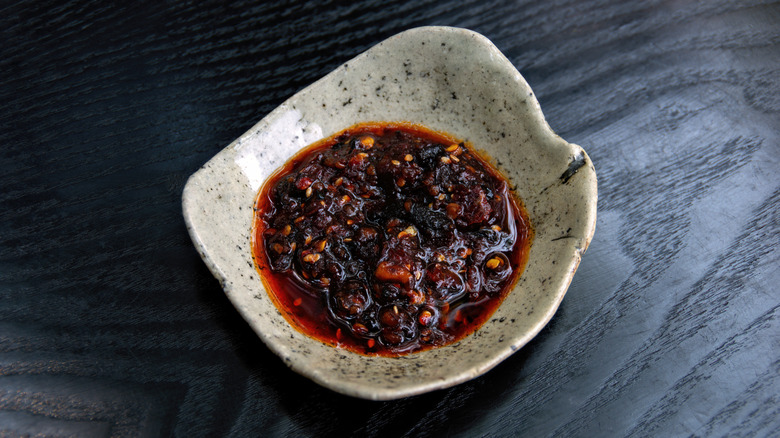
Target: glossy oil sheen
[{"x": 306, "y": 303}]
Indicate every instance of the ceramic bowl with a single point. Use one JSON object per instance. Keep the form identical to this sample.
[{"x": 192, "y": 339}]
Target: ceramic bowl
[{"x": 448, "y": 79}]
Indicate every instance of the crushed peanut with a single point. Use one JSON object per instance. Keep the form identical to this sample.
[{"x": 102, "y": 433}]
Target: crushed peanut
[
  {"x": 493, "y": 263},
  {"x": 425, "y": 317},
  {"x": 311, "y": 258},
  {"x": 464, "y": 252},
  {"x": 409, "y": 231}
]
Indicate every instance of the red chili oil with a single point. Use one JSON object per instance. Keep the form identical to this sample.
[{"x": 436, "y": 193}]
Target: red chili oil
[{"x": 388, "y": 238}]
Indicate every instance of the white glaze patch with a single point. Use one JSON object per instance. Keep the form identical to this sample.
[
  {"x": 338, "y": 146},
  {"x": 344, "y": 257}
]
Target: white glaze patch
[{"x": 267, "y": 149}]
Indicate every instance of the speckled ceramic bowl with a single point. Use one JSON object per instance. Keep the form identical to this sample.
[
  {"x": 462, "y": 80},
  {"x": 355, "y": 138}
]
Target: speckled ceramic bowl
[{"x": 450, "y": 80}]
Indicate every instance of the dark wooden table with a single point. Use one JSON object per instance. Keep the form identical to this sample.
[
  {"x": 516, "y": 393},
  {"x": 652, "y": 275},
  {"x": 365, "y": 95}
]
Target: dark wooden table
[{"x": 111, "y": 325}]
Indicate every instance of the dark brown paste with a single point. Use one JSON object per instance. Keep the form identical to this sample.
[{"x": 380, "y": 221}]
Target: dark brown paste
[{"x": 388, "y": 238}]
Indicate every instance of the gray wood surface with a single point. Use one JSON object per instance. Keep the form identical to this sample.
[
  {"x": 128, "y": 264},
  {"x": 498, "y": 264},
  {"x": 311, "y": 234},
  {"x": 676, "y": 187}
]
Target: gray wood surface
[{"x": 110, "y": 324}]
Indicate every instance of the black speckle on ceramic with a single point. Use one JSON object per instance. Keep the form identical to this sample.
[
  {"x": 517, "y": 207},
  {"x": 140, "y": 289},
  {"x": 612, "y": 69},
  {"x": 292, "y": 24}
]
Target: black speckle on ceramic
[{"x": 448, "y": 79}]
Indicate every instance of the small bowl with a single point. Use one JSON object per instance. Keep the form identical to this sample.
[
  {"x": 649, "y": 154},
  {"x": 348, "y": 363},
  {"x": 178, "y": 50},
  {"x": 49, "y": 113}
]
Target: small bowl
[{"x": 447, "y": 79}]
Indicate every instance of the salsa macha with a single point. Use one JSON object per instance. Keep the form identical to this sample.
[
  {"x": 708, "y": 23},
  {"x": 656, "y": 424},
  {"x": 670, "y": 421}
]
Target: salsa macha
[{"x": 388, "y": 238}]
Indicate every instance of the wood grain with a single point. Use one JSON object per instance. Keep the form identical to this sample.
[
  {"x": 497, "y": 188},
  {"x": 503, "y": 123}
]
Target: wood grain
[{"x": 110, "y": 324}]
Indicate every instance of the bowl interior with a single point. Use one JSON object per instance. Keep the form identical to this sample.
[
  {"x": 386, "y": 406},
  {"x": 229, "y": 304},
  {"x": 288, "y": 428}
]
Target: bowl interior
[{"x": 448, "y": 79}]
